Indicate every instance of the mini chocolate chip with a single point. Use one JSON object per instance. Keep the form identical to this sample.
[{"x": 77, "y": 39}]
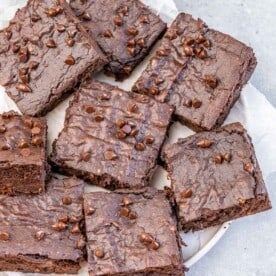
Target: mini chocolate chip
[
  {"x": 205, "y": 143},
  {"x": 89, "y": 210},
  {"x": 202, "y": 54},
  {"x": 124, "y": 212},
  {"x": 104, "y": 97},
  {"x": 66, "y": 200},
  {"x": 188, "y": 51},
  {"x": 132, "y": 215},
  {"x": 144, "y": 19},
  {"x": 98, "y": 117},
  {"x": 60, "y": 28},
  {"x": 23, "y": 87},
  {"x": 2, "y": 129},
  {"x": 8, "y": 34},
  {"x": 139, "y": 146},
  {"x": 107, "y": 33},
  {"x": 188, "y": 41},
  {"x": 59, "y": 226},
  {"x": 118, "y": 20},
  {"x": 140, "y": 42},
  {"x": 4, "y": 236},
  {"x": 154, "y": 245},
  {"x": 110, "y": 155},
  {"x": 132, "y": 31},
  {"x": 126, "y": 129},
  {"x": 25, "y": 152},
  {"x": 134, "y": 132},
  {"x": 23, "y": 55},
  {"x": 15, "y": 47},
  {"x": 158, "y": 80},
  {"x": 70, "y": 42},
  {"x": 187, "y": 193},
  {"x": 86, "y": 16},
  {"x": 131, "y": 42},
  {"x": 123, "y": 10},
  {"x": 127, "y": 201},
  {"x": 131, "y": 50},
  {"x": 127, "y": 69},
  {"x": 211, "y": 81},
  {"x": 63, "y": 218},
  {"x": 23, "y": 71},
  {"x": 161, "y": 53},
  {"x": 72, "y": 32},
  {"x": 73, "y": 219},
  {"x": 33, "y": 65},
  {"x": 51, "y": 43},
  {"x": 39, "y": 235},
  {"x": 52, "y": 12},
  {"x": 146, "y": 238},
  {"x": 35, "y": 17},
  {"x": 249, "y": 167},
  {"x": 196, "y": 103},
  {"x": 75, "y": 229},
  {"x": 36, "y": 130},
  {"x": 22, "y": 144},
  {"x": 132, "y": 124},
  {"x": 149, "y": 139},
  {"x": 200, "y": 39},
  {"x": 70, "y": 60},
  {"x": 153, "y": 91},
  {"x": 120, "y": 123},
  {"x": 81, "y": 243},
  {"x": 85, "y": 156},
  {"x": 99, "y": 253},
  {"x": 227, "y": 157},
  {"x": 120, "y": 134},
  {"x": 218, "y": 159},
  {"x": 132, "y": 108},
  {"x": 187, "y": 102},
  {"x": 89, "y": 108},
  {"x": 207, "y": 44},
  {"x": 197, "y": 50},
  {"x": 24, "y": 78}
]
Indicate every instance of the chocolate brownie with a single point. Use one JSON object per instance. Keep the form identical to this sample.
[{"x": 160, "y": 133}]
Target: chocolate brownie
[
  {"x": 198, "y": 70},
  {"x": 132, "y": 233},
  {"x": 42, "y": 233},
  {"x": 22, "y": 154},
  {"x": 124, "y": 29},
  {"x": 44, "y": 52},
  {"x": 215, "y": 177},
  {"x": 111, "y": 138}
]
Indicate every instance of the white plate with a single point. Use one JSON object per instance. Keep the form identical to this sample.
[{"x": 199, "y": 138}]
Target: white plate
[{"x": 250, "y": 106}]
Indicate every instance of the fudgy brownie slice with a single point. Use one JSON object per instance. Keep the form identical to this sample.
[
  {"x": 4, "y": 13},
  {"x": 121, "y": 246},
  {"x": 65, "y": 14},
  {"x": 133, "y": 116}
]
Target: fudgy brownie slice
[
  {"x": 131, "y": 233},
  {"x": 44, "y": 52},
  {"x": 215, "y": 177},
  {"x": 42, "y": 233},
  {"x": 198, "y": 70},
  {"x": 22, "y": 154},
  {"x": 124, "y": 29},
  {"x": 111, "y": 138}
]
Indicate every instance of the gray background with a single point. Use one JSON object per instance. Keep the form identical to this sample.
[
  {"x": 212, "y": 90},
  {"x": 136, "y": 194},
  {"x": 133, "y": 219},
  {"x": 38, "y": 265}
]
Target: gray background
[{"x": 249, "y": 247}]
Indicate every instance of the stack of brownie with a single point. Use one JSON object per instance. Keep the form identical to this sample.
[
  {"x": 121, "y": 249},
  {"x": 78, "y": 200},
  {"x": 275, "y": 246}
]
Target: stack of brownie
[{"x": 116, "y": 139}]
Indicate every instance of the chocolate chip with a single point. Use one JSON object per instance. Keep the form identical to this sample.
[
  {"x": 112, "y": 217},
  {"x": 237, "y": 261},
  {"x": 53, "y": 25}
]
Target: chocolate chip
[
  {"x": 123, "y": 10},
  {"x": 25, "y": 152},
  {"x": 154, "y": 245},
  {"x": 131, "y": 42},
  {"x": 146, "y": 238},
  {"x": 66, "y": 200},
  {"x": 70, "y": 60},
  {"x": 22, "y": 144},
  {"x": 4, "y": 236},
  {"x": 73, "y": 219},
  {"x": 149, "y": 139},
  {"x": 39, "y": 235},
  {"x": 218, "y": 159},
  {"x": 249, "y": 167},
  {"x": 132, "y": 107},
  {"x": 2, "y": 129},
  {"x": 124, "y": 212},
  {"x": 189, "y": 41},
  {"x": 127, "y": 201},
  {"x": 23, "y": 88},
  {"x": 28, "y": 123},
  {"x": 134, "y": 132},
  {"x": 132, "y": 215},
  {"x": 110, "y": 155},
  {"x": 5, "y": 147},
  {"x": 153, "y": 91},
  {"x": 89, "y": 210},
  {"x": 200, "y": 39},
  {"x": 51, "y": 43},
  {"x": 23, "y": 55},
  {"x": 72, "y": 32},
  {"x": 202, "y": 54},
  {"x": 89, "y": 108},
  {"x": 33, "y": 65},
  {"x": 161, "y": 53},
  {"x": 132, "y": 124},
  {"x": 131, "y": 50},
  {"x": 59, "y": 226},
  {"x": 107, "y": 33},
  {"x": 36, "y": 130},
  {"x": 99, "y": 253},
  {"x": 188, "y": 51},
  {"x": 187, "y": 102},
  {"x": 24, "y": 78},
  {"x": 118, "y": 20},
  {"x": 139, "y": 146},
  {"x": 63, "y": 218},
  {"x": 60, "y": 28},
  {"x": 144, "y": 19},
  {"x": 205, "y": 143},
  {"x": 187, "y": 193},
  {"x": 120, "y": 134},
  {"x": 81, "y": 243},
  {"x": 15, "y": 47},
  {"x": 141, "y": 42},
  {"x": 98, "y": 117},
  {"x": 120, "y": 123},
  {"x": 75, "y": 229},
  {"x": 211, "y": 81},
  {"x": 23, "y": 71},
  {"x": 132, "y": 31},
  {"x": 70, "y": 42},
  {"x": 35, "y": 17},
  {"x": 52, "y": 12},
  {"x": 227, "y": 157},
  {"x": 86, "y": 16},
  {"x": 126, "y": 129},
  {"x": 8, "y": 34},
  {"x": 127, "y": 69},
  {"x": 196, "y": 103}
]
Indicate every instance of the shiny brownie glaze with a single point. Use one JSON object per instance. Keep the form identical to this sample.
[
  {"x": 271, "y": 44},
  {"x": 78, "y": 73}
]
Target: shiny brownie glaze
[
  {"x": 111, "y": 138},
  {"x": 42, "y": 233},
  {"x": 125, "y": 31},
  {"x": 23, "y": 165},
  {"x": 131, "y": 233},
  {"x": 198, "y": 70},
  {"x": 44, "y": 52},
  {"x": 215, "y": 177}
]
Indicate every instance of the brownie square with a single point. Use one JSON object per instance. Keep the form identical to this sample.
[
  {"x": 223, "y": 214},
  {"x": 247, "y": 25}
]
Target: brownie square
[
  {"x": 125, "y": 31},
  {"x": 132, "y": 233},
  {"x": 44, "y": 52},
  {"x": 111, "y": 138},
  {"x": 215, "y": 177},
  {"x": 198, "y": 70},
  {"x": 22, "y": 154},
  {"x": 42, "y": 233}
]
